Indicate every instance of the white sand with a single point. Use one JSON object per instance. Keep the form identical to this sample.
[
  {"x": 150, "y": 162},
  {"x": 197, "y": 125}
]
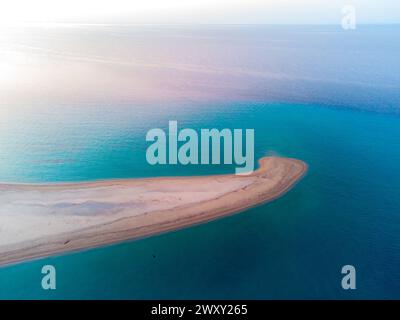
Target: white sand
[{"x": 41, "y": 220}]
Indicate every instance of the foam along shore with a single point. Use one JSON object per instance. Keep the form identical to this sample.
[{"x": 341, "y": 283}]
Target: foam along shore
[{"x": 43, "y": 220}]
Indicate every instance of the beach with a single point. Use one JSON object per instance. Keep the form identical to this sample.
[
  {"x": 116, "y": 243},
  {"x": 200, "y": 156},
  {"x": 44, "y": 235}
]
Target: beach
[{"x": 43, "y": 220}]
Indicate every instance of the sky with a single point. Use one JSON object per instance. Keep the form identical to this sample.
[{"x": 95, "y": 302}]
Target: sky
[{"x": 195, "y": 11}]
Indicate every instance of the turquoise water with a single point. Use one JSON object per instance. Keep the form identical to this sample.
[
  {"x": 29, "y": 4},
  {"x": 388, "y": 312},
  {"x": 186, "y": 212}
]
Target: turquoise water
[{"x": 344, "y": 211}]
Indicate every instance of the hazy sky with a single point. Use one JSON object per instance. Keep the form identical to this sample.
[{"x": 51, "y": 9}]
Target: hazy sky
[{"x": 196, "y": 11}]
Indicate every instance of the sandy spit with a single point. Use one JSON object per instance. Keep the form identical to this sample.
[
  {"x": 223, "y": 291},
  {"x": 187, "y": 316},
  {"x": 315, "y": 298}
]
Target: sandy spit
[{"x": 43, "y": 220}]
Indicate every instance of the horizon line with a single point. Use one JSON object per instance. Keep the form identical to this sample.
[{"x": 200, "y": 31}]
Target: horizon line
[{"x": 61, "y": 24}]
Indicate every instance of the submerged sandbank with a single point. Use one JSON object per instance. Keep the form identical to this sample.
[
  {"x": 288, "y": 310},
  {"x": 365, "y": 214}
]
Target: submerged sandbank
[{"x": 42, "y": 220}]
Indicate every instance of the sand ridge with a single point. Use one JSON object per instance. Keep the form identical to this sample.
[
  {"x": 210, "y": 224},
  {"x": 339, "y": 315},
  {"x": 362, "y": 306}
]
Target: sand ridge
[{"x": 42, "y": 220}]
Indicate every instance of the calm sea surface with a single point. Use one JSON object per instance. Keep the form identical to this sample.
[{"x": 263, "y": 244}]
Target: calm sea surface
[{"x": 346, "y": 210}]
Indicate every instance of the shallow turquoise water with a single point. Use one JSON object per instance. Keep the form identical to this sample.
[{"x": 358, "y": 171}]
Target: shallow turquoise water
[{"x": 345, "y": 211}]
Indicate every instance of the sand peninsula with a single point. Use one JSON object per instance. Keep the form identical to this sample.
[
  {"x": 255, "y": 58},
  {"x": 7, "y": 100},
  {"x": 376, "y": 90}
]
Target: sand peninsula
[{"x": 43, "y": 220}]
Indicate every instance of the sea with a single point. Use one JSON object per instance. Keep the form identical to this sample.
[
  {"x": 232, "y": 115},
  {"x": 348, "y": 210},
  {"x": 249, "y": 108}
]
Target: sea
[{"x": 76, "y": 105}]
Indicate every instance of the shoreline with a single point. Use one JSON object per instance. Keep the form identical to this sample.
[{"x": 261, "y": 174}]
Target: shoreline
[{"x": 57, "y": 218}]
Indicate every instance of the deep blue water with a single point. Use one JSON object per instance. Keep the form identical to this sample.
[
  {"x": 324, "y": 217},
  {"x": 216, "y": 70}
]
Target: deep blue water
[{"x": 344, "y": 211}]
